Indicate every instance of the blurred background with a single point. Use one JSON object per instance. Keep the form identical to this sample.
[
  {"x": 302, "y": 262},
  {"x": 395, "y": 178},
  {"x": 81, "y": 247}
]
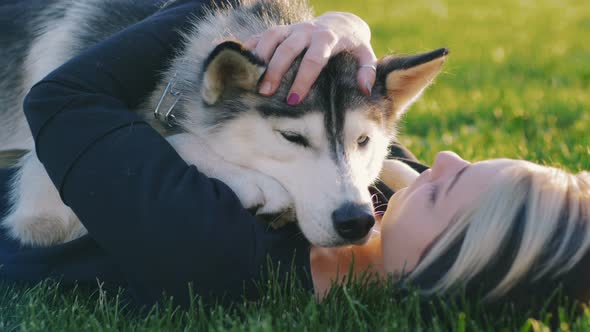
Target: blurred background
[{"x": 517, "y": 82}]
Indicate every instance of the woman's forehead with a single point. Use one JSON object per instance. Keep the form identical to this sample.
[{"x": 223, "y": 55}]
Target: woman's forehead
[
  {"x": 486, "y": 169},
  {"x": 474, "y": 181}
]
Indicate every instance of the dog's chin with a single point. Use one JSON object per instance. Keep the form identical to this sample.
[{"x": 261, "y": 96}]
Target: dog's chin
[
  {"x": 283, "y": 218},
  {"x": 340, "y": 242},
  {"x": 362, "y": 241}
]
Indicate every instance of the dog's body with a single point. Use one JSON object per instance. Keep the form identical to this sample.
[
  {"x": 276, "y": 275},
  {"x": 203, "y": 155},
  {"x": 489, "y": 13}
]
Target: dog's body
[{"x": 317, "y": 158}]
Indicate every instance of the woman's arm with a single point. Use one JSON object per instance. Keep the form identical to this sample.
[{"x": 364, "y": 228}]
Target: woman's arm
[{"x": 164, "y": 222}]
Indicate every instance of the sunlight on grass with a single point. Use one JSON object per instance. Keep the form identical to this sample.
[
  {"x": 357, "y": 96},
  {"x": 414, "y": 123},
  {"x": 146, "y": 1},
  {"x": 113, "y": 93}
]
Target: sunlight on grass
[{"x": 517, "y": 84}]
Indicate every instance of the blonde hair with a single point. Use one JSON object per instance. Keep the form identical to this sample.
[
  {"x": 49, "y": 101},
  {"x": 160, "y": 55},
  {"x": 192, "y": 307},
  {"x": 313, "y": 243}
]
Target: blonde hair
[{"x": 545, "y": 209}]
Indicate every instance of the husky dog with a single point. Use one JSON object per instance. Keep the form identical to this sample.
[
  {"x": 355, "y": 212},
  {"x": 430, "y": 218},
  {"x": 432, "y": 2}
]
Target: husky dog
[{"x": 317, "y": 159}]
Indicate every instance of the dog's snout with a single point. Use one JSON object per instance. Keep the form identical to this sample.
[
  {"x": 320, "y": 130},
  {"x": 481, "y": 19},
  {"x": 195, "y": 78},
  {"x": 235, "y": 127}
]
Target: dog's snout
[{"x": 353, "y": 221}]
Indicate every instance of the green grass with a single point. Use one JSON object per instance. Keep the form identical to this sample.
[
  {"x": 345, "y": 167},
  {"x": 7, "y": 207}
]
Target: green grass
[
  {"x": 517, "y": 84},
  {"x": 517, "y": 80},
  {"x": 354, "y": 306}
]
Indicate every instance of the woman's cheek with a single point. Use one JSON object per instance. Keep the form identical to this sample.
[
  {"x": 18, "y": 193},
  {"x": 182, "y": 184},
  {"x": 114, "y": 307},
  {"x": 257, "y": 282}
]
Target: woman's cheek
[
  {"x": 390, "y": 226},
  {"x": 392, "y": 238},
  {"x": 404, "y": 232},
  {"x": 394, "y": 205}
]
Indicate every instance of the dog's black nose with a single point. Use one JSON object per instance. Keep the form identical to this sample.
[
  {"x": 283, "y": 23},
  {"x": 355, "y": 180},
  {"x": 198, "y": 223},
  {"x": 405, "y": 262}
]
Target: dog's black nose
[{"x": 353, "y": 221}]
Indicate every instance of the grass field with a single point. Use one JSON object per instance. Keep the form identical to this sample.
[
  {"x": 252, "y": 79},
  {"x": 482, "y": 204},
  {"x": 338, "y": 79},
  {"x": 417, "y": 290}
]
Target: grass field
[{"x": 517, "y": 84}]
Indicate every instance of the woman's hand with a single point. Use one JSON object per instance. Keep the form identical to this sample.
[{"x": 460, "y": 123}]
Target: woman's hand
[{"x": 324, "y": 37}]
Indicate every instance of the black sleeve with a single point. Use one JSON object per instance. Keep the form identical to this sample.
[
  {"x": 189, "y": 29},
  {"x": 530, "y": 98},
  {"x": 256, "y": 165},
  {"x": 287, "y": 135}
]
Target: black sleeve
[{"x": 163, "y": 222}]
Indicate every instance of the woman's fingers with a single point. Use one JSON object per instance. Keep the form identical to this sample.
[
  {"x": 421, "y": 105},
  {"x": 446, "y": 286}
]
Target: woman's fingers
[
  {"x": 324, "y": 37},
  {"x": 252, "y": 42},
  {"x": 281, "y": 60},
  {"x": 367, "y": 72},
  {"x": 319, "y": 52},
  {"x": 269, "y": 40}
]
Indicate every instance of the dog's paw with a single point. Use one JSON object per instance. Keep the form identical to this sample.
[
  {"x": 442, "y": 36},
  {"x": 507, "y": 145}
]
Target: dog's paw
[
  {"x": 275, "y": 196},
  {"x": 43, "y": 230},
  {"x": 256, "y": 190}
]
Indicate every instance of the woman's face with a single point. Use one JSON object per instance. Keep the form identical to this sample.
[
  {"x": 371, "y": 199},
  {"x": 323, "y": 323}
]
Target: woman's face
[{"x": 416, "y": 215}]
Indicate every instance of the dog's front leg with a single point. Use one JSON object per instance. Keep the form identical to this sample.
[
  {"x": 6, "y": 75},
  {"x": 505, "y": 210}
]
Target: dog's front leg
[{"x": 254, "y": 189}]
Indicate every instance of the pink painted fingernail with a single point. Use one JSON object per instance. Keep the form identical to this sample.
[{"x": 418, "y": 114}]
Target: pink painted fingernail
[
  {"x": 265, "y": 88},
  {"x": 293, "y": 99}
]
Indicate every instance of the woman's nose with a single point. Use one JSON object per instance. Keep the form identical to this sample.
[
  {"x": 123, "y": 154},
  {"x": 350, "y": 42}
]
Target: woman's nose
[{"x": 447, "y": 162}]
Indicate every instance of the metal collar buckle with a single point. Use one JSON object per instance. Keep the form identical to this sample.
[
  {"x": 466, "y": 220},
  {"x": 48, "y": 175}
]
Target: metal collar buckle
[{"x": 168, "y": 118}]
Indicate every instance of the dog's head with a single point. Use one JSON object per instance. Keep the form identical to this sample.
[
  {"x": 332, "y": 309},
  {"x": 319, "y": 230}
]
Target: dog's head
[{"x": 326, "y": 151}]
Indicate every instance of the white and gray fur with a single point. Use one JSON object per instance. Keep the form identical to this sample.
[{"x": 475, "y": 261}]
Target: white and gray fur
[{"x": 222, "y": 125}]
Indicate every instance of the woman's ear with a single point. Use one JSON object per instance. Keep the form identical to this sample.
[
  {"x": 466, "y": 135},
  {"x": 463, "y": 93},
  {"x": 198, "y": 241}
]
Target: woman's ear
[
  {"x": 404, "y": 78},
  {"x": 230, "y": 68}
]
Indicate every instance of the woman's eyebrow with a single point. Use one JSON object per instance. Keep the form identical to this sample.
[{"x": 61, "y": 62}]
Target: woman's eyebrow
[{"x": 455, "y": 179}]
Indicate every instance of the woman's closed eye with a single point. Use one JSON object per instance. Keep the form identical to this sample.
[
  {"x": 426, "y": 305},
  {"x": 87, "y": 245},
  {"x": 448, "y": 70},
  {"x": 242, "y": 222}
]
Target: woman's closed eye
[{"x": 436, "y": 186}]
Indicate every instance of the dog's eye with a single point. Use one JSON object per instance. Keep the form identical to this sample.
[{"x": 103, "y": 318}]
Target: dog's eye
[
  {"x": 296, "y": 138},
  {"x": 363, "y": 140}
]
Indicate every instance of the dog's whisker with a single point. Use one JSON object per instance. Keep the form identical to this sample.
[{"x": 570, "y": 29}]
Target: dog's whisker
[
  {"x": 380, "y": 206},
  {"x": 277, "y": 218},
  {"x": 378, "y": 191}
]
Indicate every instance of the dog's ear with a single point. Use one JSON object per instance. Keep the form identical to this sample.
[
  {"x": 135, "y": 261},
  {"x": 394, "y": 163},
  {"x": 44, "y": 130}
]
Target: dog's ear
[
  {"x": 230, "y": 68},
  {"x": 404, "y": 78}
]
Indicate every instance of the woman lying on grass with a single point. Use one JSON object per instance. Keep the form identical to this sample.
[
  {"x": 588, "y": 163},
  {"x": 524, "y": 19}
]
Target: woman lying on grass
[
  {"x": 500, "y": 229},
  {"x": 157, "y": 225}
]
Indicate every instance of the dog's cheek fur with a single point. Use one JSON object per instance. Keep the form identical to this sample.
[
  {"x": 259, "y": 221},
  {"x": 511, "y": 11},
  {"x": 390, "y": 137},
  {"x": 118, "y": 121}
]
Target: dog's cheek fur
[
  {"x": 245, "y": 140},
  {"x": 365, "y": 161},
  {"x": 316, "y": 183}
]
